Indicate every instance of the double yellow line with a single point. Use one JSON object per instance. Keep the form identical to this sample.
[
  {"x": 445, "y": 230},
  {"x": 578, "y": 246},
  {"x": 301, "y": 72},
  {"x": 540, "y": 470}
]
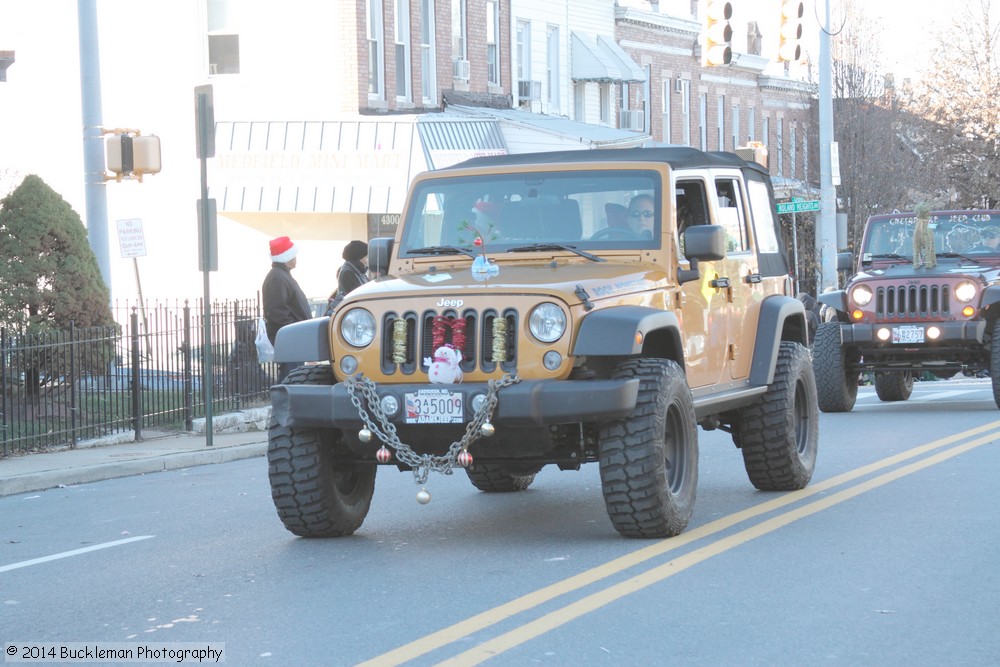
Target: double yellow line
[{"x": 571, "y": 611}]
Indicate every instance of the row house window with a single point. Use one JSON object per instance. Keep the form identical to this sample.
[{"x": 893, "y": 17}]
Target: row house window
[
  {"x": 459, "y": 41},
  {"x": 552, "y": 68},
  {"x": 493, "y": 42},
  {"x": 402, "y": 35},
  {"x": 223, "y": 38},
  {"x": 720, "y": 122},
  {"x": 428, "y": 85},
  {"x": 373, "y": 14}
]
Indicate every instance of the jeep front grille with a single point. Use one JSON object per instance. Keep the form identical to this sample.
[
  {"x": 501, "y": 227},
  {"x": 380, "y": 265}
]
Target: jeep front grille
[
  {"x": 423, "y": 331},
  {"x": 912, "y": 302}
]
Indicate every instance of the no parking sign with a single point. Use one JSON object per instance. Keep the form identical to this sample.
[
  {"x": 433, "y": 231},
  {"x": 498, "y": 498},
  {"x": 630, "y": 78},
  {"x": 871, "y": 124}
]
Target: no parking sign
[{"x": 131, "y": 239}]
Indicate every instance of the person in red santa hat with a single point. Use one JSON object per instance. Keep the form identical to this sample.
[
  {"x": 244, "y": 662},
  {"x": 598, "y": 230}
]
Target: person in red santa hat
[{"x": 284, "y": 300}]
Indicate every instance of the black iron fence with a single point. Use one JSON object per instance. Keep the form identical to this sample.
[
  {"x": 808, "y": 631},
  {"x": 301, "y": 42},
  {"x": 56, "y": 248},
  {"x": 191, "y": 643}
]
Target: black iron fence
[{"x": 146, "y": 372}]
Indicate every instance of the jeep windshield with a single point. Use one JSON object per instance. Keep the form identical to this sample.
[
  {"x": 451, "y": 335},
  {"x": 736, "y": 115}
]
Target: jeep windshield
[
  {"x": 971, "y": 236},
  {"x": 576, "y": 211}
]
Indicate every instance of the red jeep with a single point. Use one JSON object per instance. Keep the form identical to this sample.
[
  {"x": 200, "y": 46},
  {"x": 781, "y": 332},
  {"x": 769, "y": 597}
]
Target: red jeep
[{"x": 900, "y": 319}]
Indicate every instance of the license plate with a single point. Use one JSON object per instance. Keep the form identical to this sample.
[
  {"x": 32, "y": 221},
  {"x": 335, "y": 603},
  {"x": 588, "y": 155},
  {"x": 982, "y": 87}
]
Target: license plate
[
  {"x": 434, "y": 406},
  {"x": 907, "y": 334}
]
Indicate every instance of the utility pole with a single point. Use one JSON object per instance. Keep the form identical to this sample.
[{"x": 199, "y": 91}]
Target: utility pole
[
  {"x": 826, "y": 231},
  {"x": 93, "y": 145}
]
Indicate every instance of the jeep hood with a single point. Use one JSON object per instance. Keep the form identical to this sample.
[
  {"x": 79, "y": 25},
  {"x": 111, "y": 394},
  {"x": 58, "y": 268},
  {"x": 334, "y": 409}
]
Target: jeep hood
[
  {"x": 946, "y": 267},
  {"x": 598, "y": 280}
]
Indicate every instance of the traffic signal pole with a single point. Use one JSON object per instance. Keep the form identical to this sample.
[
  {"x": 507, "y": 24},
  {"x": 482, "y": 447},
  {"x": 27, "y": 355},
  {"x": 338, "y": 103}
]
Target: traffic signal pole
[
  {"x": 826, "y": 231},
  {"x": 93, "y": 145}
]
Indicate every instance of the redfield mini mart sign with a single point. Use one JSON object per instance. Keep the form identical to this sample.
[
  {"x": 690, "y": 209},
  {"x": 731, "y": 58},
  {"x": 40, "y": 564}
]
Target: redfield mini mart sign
[{"x": 131, "y": 239}]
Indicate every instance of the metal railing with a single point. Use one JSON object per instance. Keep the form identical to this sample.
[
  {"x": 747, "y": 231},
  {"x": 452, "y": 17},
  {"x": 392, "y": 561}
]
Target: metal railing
[{"x": 146, "y": 372}]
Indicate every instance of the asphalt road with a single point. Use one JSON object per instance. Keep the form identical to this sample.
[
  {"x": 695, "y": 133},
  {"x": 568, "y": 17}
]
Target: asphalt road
[{"x": 890, "y": 557}]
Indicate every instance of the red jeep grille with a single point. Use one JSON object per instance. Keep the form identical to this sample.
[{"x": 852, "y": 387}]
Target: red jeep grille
[
  {"x": 426, "y": 330},
  {"x": 912, "y": 302}
]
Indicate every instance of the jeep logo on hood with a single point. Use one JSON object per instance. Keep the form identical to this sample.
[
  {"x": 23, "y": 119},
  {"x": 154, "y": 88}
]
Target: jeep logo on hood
[{"x": 450, "y": 303}]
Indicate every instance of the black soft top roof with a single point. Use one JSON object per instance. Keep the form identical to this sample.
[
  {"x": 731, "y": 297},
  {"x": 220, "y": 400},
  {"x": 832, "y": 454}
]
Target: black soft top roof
[
  {"x": 679, "y": 157},
  {"x": 958, "y": 214}
]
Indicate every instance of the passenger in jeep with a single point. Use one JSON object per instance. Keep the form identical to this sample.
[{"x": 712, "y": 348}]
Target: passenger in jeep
[{"x": 989, "y": 241}]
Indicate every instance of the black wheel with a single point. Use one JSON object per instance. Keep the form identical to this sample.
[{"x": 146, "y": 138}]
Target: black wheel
[
  {"x": 893, "y": 385},
  {"x": 493, "y": 478},
  {"x": 995, "y": 362},
  {"x": 317, "y": 489},
  {"x": 837, "y": 387},
  {"x": 779, "y": 433},
  {"x": 649, "y": 460}
]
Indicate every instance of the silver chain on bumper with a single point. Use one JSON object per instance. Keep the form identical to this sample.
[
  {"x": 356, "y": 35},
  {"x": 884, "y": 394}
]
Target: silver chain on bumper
[{"x": 385, "y": 430}]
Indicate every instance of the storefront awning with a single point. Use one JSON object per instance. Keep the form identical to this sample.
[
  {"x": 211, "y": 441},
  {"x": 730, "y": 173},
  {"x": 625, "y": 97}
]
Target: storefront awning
[
  {"x": 601, "y": 59},
  {"x": 349, "y": 166}
]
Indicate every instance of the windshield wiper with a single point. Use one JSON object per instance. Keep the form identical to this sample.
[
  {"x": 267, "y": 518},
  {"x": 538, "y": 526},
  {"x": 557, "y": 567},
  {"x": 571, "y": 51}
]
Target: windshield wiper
[
  {"x": 959, "y": 255},
  {"x": 890, "y": 255},
  {"x": 443, "y": 250},
  {"x": 556, "y": 246}
]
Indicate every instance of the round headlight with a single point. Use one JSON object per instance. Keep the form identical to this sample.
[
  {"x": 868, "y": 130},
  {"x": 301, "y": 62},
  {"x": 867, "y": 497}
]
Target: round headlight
[
  {"x": 547, "y": 322},
  {"x": 965, "y": 291},
  {"x": 358, "y": 327},
  {"x": 862, "y": 295}
]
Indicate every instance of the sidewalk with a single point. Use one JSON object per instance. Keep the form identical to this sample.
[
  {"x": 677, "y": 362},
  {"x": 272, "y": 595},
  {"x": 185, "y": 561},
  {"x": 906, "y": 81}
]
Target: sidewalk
[{"x": 234, "y": 436}]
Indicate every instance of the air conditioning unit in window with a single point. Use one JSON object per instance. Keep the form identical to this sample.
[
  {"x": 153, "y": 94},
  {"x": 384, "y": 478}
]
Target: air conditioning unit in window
[
  {"x": 632, "y": 119},
  {"x": 529, "y": 90},
  {"x": 460, "y": 69},
  {"x": 678, "y": 85}
]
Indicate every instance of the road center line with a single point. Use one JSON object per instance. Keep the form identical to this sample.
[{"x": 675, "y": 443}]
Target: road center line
[
  {"x": 74, "y": 552},
  {"x": 531, "y": 600},
  {"x": 574, "y": 610}
]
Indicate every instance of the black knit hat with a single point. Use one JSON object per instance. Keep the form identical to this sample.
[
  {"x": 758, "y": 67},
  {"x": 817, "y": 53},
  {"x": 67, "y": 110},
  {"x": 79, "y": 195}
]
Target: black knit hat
[{"x": 355, "y": 250}]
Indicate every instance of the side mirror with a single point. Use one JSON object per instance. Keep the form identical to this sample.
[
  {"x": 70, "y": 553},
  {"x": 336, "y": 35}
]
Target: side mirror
[
  {"x": 701, "y": 243},
  {"x": 379, "y": 253},
  {"x": 705, "y": 242},
  {"x": 845, "y": 261}
]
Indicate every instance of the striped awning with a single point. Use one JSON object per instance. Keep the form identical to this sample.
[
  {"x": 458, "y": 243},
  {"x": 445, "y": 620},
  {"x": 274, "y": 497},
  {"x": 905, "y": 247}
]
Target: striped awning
[
  {"x": 601, "y": 59},
  {"x": 348, "y": 166}
]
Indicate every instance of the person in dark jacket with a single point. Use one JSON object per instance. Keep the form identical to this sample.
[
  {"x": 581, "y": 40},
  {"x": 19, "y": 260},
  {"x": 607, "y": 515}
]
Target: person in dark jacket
[
  {"x": 351, "y": 275},
  {"x": 284, "y": 301}
]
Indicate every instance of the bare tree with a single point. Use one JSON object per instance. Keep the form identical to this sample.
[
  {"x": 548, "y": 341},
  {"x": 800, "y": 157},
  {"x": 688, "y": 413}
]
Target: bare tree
[
  {"x": 957, "y": 99},
  {"x": 879, "y": 169}
]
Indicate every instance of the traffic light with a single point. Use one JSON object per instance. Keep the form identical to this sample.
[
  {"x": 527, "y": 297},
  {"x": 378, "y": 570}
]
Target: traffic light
[
  {"x": 129, "y": 155},
  {"x": 791, "y": 30},
  {"x": 718, "y": 33}
]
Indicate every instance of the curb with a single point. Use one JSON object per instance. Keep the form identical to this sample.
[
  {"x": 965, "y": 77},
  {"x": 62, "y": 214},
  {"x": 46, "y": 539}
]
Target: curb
[{"x": 49, "y": 479}]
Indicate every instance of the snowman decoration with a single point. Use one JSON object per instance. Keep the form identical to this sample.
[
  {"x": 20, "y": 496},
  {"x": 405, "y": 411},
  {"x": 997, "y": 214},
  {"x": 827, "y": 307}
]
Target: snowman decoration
[{"x": 443, "y": 368}]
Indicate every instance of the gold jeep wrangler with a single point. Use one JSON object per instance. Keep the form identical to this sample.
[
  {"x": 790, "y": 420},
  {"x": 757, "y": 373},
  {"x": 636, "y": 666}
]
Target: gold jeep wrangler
[{"x": 558, "y": 308}]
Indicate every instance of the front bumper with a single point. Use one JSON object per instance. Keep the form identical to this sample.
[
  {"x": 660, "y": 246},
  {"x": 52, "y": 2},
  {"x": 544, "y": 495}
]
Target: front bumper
[
  {"x": 960, "y": 344},
  {"x": 526, "y": 403},
  {"x": 960, "y": 334}
]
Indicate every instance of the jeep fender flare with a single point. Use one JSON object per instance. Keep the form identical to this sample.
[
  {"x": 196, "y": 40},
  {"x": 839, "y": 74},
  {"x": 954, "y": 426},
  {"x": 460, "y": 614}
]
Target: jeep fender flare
[
  {"x": 991, "y": 299},
  {"x": 782, "y": 318},
  {"x": 612, "y": 332},
  {"x": 836, "y": 300},
  {"x": 308, "y": 340}
]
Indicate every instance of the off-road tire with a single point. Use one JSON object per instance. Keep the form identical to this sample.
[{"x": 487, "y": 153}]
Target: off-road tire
[
  {"x": 317, "y": 489},
  {"x": 893, "y": 385},
  {"x": 649, "y": 460},
  {"x": 837, "y": 388},
  {"x": 779, "y": 432},
  {"x": 493, "y": 478},
  {"x": 995, "y": 362}
]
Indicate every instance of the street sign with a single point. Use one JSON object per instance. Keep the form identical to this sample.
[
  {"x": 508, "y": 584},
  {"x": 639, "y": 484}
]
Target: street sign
[
  {"x": 131, "y": 239},
  {"x": 798, "y": 206}
]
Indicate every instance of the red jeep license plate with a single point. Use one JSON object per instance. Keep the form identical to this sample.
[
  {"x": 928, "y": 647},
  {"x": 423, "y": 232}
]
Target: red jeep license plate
[{"x": 907, "y": 334}]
